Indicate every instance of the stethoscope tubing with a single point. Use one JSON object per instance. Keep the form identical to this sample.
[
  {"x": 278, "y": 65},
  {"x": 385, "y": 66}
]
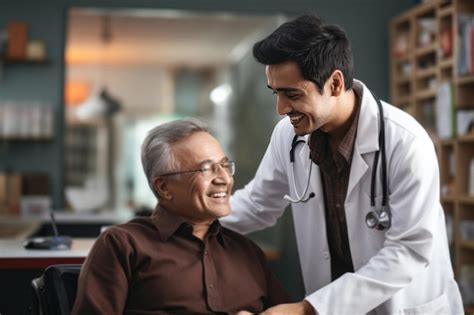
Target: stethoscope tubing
[
  {"x": 384, "y": 214},
  {"x": 383, "y": 160}
]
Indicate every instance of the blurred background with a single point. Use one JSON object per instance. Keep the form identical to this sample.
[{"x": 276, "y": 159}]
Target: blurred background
[{"x": 82, "y": 81}]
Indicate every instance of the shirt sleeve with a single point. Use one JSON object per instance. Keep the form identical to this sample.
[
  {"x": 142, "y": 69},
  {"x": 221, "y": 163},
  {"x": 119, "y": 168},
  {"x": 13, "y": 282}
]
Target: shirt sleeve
[
  {"x": 260, "y": 203},
  {"x": 104, "y": 277},
  {"x": 408, "y": 246}
]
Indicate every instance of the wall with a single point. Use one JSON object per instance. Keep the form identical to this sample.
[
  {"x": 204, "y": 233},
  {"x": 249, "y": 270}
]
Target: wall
[{"x": 36, "y": 83}]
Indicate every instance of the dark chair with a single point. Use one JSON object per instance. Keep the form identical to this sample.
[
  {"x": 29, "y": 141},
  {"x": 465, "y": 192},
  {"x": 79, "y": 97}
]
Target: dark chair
[{"x": 55, "y": 291}]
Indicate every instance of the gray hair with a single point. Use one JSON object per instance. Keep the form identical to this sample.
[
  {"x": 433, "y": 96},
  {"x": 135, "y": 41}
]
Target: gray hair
[{"x": 157, "y": 155}]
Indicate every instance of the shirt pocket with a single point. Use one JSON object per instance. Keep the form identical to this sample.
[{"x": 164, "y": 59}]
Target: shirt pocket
[{"x": 440, "y": 306}]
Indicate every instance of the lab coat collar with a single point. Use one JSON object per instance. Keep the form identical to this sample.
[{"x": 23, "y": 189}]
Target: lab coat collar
[
  {"x": 367, "y": 135},
  {"x": 368, "y": 127}
]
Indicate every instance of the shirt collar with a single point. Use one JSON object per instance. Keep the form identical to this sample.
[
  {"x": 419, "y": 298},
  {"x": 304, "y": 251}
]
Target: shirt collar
[
  {"x": 168, "y": 224},
  {"x": 318, "y": 146},
  {"x": 347, "y": 144}
]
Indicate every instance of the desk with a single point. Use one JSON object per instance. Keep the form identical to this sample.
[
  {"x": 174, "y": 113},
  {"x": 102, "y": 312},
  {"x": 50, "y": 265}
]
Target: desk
[
  {"x": 69, "y": 223},
  {"x": 14, "y": 256},
  {"x": 18, "y": 266}
]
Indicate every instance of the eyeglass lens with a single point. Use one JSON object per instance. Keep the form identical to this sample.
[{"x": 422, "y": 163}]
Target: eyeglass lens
[{"x": 213, "y": 169}]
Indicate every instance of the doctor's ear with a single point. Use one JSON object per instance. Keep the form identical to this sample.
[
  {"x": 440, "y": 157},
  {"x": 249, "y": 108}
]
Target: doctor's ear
[
  {"x": 162, "y": 188},
  {"x": 337, "y": 83}
]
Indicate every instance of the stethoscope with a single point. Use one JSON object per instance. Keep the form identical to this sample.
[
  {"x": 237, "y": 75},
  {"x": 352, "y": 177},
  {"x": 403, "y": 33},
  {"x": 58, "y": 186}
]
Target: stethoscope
[{"x": 379, "y": 219}]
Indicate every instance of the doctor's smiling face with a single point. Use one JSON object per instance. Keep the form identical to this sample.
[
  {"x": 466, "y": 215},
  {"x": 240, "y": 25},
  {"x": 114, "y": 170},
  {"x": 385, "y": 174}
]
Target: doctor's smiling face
[{"x": 300, "y": 99}]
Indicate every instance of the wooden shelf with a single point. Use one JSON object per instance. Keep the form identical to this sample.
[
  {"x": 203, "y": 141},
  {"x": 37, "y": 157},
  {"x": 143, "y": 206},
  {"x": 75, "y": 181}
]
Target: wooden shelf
[
  {"x": 25, "y": 139},
  {"x": 425, "y": 94},
  {"x": 448, "y": 199},
  {"x": 428, "y": 72},
  {"x": 7, "y": 61},
  {"x": 427, "y": 49},
  {"x": 446, "y": 12},
  {"x": 446, "y": 63},
  {"x": 401, "y": 59},
  {"x": 467, "y": 244},
  {"x": 401, "y": 19},
  {"x": 466, "y": 199},
  {"x": 405, "y": 99},
  {"x": 466, "y": 139},
  {"x": 426, "y": 7},
  {"x": 446, "y": 142},
  {"x": 469, "y": 79},
  {"x": 405, "y": 79},
  {"x": 454, "y": 155}
]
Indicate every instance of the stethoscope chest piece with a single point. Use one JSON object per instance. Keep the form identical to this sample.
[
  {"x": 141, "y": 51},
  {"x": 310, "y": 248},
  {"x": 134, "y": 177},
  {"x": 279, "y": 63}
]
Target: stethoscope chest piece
[{"x": 378, "y": 219}]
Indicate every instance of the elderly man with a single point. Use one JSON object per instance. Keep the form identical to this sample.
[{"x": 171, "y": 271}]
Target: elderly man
[{"x": 180, "y": 260}]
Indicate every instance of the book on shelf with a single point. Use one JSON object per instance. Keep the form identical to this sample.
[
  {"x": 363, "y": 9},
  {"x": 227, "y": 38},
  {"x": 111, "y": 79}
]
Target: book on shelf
[
  {"x": 466, "y": 44},
  {"x": 445, "y": 123}
]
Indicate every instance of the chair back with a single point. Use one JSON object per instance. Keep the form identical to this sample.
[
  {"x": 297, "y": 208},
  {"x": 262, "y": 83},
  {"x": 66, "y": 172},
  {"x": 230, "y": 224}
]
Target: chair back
[{"x": 55, "y": 291}]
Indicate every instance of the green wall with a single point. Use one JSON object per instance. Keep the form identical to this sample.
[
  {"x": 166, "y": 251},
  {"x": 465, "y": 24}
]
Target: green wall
[{"x": 42, "y": 82}]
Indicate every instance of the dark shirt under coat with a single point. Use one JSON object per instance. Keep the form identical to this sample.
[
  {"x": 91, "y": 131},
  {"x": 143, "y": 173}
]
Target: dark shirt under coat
[{"x": 335, "y": 169}]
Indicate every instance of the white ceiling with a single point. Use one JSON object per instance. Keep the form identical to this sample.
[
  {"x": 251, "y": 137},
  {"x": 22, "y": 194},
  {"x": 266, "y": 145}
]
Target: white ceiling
[{"x": 169, "y": 38}]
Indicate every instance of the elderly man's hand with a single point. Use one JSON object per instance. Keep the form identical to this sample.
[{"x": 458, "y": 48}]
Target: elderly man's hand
[{"x": 300, "y": 308}]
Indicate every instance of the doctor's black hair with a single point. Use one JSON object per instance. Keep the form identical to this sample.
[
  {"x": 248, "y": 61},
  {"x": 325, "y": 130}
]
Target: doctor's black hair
[{"x": 317, "y": 48}]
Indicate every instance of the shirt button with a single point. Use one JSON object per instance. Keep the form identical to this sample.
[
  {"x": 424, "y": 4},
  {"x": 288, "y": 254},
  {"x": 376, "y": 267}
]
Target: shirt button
[
  {"x": 211, "y": 286},
  {"x": 338, "y": 205},
  {"x": 326, "y": 254}
]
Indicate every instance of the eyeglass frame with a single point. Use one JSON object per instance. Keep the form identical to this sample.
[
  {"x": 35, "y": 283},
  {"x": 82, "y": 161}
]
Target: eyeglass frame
[{"x": 203, "y": 169}]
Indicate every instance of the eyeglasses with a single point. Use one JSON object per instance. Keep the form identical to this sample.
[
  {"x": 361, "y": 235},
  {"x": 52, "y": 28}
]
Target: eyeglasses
[{"x": 210, "y": 170}]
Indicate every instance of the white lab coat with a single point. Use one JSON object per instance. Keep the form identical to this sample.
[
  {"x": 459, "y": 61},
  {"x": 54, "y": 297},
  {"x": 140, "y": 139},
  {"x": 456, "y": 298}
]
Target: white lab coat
[{"x": 405, "y": 270}]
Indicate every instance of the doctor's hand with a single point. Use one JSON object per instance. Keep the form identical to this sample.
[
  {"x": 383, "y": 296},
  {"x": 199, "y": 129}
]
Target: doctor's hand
[{"x": 300, "y": 308}]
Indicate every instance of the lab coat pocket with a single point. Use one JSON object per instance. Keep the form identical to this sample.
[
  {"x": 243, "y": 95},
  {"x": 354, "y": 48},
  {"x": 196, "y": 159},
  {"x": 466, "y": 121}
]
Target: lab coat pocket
[{"x": 440, "y": 305}]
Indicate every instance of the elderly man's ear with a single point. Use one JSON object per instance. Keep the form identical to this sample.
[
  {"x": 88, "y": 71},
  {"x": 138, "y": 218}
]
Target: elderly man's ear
[{"x": 162, "y": 188}]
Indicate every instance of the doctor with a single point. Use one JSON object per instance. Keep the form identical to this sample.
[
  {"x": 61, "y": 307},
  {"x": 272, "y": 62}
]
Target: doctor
[{"x": 363, "y": 249}]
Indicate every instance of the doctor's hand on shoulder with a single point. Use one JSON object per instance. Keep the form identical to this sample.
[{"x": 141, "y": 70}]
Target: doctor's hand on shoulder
[{"x": 300, "y": 308}]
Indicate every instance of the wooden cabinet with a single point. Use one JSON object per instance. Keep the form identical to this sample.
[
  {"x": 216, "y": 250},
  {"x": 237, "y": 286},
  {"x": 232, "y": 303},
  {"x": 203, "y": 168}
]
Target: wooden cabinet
[{"x": 427, "y": 50}]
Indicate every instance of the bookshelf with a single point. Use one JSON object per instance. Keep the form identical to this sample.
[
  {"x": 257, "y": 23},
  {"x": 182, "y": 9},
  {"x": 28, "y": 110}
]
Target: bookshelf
[{"x": 429, "y": 55}]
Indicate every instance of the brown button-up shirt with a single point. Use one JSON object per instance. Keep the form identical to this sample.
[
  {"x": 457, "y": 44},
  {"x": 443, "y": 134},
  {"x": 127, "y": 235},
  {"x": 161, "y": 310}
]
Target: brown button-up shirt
[
  {"x": 335, "y": 169},
  {"x": 156, "y": 265}
]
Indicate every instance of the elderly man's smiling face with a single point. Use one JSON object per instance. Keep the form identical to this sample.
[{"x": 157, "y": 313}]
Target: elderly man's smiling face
[{"x": 200, "y": 198}]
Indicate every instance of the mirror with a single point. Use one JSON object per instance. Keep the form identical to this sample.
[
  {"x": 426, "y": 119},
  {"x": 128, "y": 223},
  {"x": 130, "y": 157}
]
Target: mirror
[{"x": 130, "y": 70}]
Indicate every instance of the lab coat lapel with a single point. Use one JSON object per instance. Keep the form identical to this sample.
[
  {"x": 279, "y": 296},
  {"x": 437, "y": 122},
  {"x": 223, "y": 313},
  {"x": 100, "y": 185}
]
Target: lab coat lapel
[
  {"x": 312, "y": 240},
  {"x": 366, "y": 138}
]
